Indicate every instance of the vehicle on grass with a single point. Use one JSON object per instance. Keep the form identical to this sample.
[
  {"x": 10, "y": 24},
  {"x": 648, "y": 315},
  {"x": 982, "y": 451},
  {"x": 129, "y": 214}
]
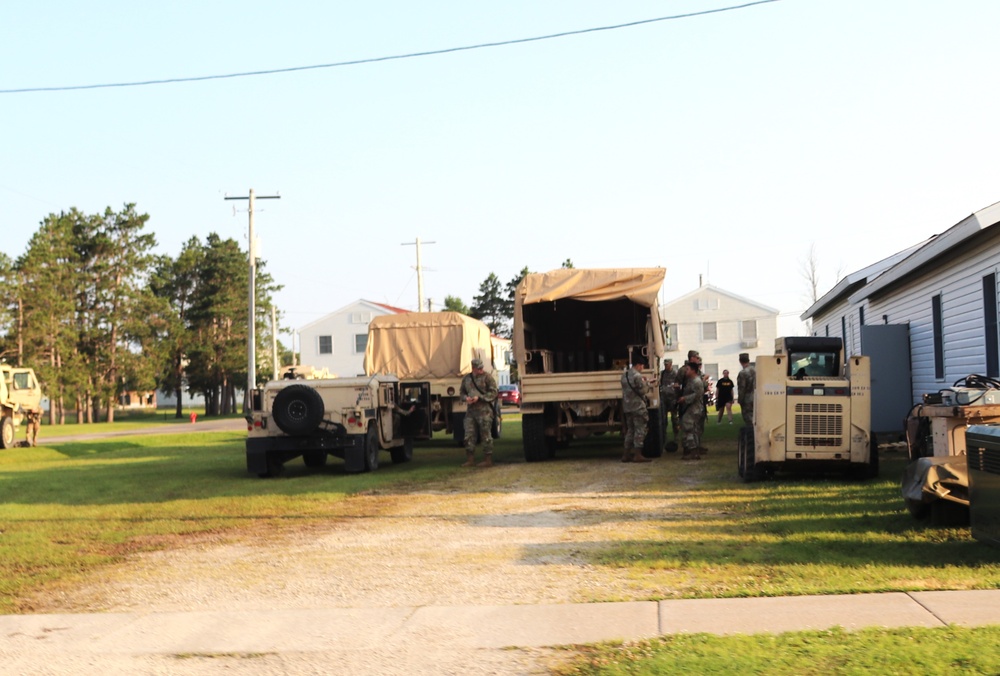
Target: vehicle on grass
[
  {"x": 20, "y": 397},
  {"x": 811, "y": 412},
  {"x": 936, "y": 481},
  {"x": 436, "y": 347},
  {"x": 510, "y": 395},
  {"x": 353, "y": 419},
  {"x": 575, "y": 332}
]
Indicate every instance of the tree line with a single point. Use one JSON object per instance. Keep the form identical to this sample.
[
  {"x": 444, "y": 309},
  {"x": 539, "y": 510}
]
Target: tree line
[{"x": 97, "y": 314}]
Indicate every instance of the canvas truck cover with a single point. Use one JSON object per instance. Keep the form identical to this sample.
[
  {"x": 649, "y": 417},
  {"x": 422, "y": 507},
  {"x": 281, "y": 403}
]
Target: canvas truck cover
[
  {"x": 640, "y": 285},
  {"x": 427, "y": 345}
]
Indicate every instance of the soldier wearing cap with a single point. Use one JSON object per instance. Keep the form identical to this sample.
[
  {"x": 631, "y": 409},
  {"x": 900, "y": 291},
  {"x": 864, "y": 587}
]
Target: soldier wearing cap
[
  {"x": 692, "y": 405},
  {"x": 635, "y": 411},
  {"x": 668, "y": 394},
  {"x": 479, "y": 392},
  {"x": 746, "y": 381}
]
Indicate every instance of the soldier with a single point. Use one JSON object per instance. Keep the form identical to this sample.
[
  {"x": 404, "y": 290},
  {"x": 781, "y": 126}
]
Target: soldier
[
  {"x": 746, "y": 381},
  {"x": 635, "y": 410},
  {"x": 668, "y": 394},
  {"x": 33, "y": 421},
  {"x": 479, "y": 392},
  {"x": 692, "y": 405}
]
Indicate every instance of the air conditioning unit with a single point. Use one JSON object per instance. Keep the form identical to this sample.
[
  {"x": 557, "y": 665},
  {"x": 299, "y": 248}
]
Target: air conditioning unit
[{"x": 748, "y": 343}]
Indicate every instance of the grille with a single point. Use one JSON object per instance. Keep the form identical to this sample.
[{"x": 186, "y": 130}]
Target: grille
[{"x": 819, "y": 424}]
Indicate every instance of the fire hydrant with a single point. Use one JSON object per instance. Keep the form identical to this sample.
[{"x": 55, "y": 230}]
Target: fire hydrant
[{"x": 194, "y": 417}]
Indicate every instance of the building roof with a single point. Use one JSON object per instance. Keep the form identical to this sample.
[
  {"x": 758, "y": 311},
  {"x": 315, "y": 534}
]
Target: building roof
[
  {"x": 849, "y": 284},
  {"x": 933, "y": 250},
  {"x": 381, "y": 306},
  {"x": 722, "y": 292}
]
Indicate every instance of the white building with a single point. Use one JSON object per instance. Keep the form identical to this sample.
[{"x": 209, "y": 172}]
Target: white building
[
  {"x": 337, "y": 341},
  {"x": 720, "y": 325},
  {"x": 942, "y": 294}
]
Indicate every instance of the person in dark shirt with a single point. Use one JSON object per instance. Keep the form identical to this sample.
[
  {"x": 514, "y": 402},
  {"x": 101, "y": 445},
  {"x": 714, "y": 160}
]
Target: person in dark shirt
[{"x": 724, "y": 388}]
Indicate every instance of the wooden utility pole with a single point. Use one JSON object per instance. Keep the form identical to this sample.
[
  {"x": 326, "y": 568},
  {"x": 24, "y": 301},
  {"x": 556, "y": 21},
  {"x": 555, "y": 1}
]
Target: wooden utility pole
[
  {"x": 252, "y": 332},
  {"x": 420, "y": 273}
]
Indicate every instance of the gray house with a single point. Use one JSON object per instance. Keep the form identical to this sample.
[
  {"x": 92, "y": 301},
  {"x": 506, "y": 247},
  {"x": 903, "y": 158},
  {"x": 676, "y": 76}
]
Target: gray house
[{"x": 928, "y": 315}]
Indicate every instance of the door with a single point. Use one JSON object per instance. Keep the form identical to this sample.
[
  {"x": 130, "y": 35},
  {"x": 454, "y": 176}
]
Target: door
[
  {"x": 888, "y": 345},
  {"x": 417, "y": 424}
]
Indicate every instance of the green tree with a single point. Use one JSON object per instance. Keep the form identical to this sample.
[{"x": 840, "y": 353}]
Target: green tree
[
  {"x": 491, "y": 307},
  {"x": 567, "y": 264},
  {"x": 455, "y": 304}
]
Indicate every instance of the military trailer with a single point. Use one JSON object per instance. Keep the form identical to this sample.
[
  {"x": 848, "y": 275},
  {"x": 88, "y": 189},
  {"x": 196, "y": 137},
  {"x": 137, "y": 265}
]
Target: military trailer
[
  {"x": 575, "y": 331},
  {"x": 20, "y": 396},
  {"x": 437, "y": 347},
  {"x": 812, "y": 412},
  {"x": 353, "y": 419}
]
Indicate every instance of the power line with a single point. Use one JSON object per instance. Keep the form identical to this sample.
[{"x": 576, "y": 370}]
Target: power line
[{"x": 377, "y": 59}]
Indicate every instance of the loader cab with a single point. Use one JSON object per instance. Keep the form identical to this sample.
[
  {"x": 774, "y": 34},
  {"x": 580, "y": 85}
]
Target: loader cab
[{"x": 812, "y": 356}]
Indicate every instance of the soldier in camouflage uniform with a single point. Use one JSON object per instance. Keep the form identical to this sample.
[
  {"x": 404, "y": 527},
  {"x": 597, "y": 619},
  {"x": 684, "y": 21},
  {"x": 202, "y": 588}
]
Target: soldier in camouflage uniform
[
  {"x": 635, "y": 410},
  {"x": 692, "y": 405},
  {"x": 479, "y": 392},
  {"x": 746, "y": 381},
  {"x": 668, "y": 395}
]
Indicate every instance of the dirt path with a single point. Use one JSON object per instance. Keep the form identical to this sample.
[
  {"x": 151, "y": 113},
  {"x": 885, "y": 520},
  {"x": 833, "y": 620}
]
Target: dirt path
[{"x": 486, "y": 538}]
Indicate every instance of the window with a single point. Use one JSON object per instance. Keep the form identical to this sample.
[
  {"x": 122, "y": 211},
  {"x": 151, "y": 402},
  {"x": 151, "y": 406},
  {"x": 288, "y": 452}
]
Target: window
[
  {"x": 361, "y": 317},
  {"x": 938, "y": 328},
  {"x": 706, "y": 304},
  {"x": 990, "y": 321},
  {"x": 711, "y": 370},
  {"x": 748, "y": 329},
  {"x": 360, "y": 342},
  {"x": 326, "y": 344},
  {"x": 709, "y": 331},
  {"x": 671, "y": 337}
]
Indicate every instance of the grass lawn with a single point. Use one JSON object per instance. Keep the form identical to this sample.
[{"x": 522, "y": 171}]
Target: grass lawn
[{"x": 72, "y": 509}]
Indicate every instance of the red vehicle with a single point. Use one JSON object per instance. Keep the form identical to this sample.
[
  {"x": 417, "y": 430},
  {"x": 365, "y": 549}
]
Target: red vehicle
[{"x": 510, "y": 395}]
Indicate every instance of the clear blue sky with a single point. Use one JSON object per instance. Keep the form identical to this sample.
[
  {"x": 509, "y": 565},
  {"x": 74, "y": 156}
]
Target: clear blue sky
[{"x": 719, "y": 146}]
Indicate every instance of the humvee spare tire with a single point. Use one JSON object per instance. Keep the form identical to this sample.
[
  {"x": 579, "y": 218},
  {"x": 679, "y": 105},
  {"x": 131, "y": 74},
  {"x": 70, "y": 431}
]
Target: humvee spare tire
[{"x": 297, "y": 410}]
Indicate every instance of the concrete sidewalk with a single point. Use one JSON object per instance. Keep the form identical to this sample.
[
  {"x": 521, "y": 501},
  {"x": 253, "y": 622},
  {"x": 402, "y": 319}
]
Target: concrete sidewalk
[{"x": 318, "y": 630}]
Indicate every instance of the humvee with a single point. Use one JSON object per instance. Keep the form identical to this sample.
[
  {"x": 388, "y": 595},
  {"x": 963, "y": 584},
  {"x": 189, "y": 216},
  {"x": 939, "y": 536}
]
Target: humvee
[
  {"x": 353, "y": 419},
  {"x": 20, "y": 395}
]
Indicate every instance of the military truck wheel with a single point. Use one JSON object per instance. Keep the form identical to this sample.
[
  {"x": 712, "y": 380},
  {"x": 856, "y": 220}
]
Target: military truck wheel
[
  {"x": 873, "y": 458},
  {"x": 298, "y": 410},
  {"x": 751, "y": 471},
  {"x": 458, "y": 428},
  {"x": 371, "y": 449},
  {"x": 741, "y": 452},
  {"x": 533, "y": 433},
  {"x": 402, "y": 453},
  {"x": 497, "y": 425},
  {"x": 274, "y": 468},
  {"x": 7, "y": 432},
  {"x": 652, "y": 447},
  {"x": 314, "y": 459}
]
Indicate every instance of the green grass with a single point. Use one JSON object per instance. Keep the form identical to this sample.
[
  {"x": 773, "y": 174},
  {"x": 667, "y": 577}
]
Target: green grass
[
  {"x": 73, "y": 509},
  {"x": 917, "y": 651}
]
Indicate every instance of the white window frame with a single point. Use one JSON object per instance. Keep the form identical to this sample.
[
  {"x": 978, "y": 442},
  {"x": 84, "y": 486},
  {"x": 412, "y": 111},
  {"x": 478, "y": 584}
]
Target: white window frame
[{"x": 319, "y": 344}]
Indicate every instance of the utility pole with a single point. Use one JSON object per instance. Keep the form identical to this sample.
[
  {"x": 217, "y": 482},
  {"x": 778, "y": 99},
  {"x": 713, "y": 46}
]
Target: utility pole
[
  {"x": 274, "y": 341},
  {"x": 420, "y": 274},
  {"x": 252, "y": 316}
]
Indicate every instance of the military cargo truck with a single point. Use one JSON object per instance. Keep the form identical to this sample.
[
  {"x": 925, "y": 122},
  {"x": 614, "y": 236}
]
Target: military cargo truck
[
  {"x": 20, "y": 396},
  {"x": 811, "y": 412},
  {"x": 437, "y": 347},
  {"x": 575, "y": 331},
  {"x": 349, "y": 418}
]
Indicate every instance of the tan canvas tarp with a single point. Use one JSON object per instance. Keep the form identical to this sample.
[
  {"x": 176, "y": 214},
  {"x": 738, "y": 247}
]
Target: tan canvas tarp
[
  {"x": 640, "y": 285},
  {"x": 422, "y": 345}
]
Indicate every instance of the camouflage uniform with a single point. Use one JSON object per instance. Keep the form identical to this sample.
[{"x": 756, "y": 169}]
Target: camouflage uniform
[
  {"x": 635, "y": 410},
  {"x": 746, "y": 381},
  {"x": 668, "y": 396},
  {"x": 34, "y": 422},
  {"x": 479, "y": 415},
  {"x": 692, "y": 402}
]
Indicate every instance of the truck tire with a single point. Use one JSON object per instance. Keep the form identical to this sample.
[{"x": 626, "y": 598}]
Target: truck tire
[
  {"x": 458, "y": 428},
  {"x": 402, "y": 453},
  {"x": 652, "y": 447},
  {"x": 497, "y": 425},
  {"x": 7, "y": 432},
  {"x": 298, "y": 410},
  {"x": 371, "y": 449},
  {"x": 533, "y": 432},
  {"x": 314, "y": 459},
  {"x": 274, "y": 468},
  {"x": 751, "y": 471},
  {"x": 873, "y": 458}
]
